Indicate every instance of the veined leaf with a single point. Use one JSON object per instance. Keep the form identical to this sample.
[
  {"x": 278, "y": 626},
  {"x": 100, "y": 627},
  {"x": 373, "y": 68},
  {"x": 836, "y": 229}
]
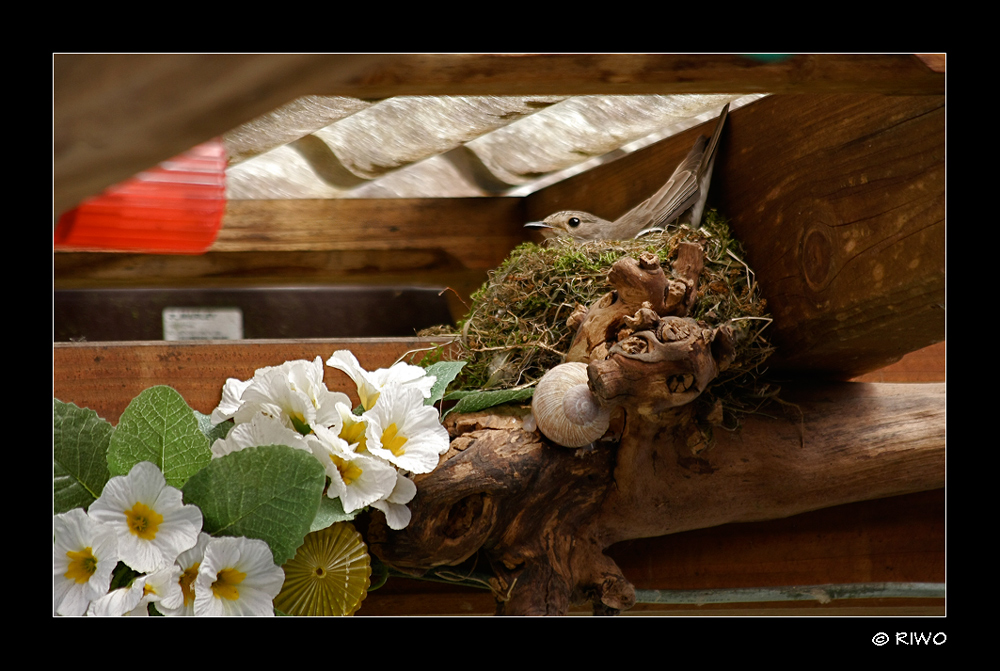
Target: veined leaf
[
  {"x": 330, "y": 512},
  {"x": 480, "y": 400},
  {"x": 79, "y": 456},
  {"x": 445, "y": 372},
  {"x": 270, "y": 492},
  {"x": 213, "y": 432},
  {"x": 158, "y": 426}
]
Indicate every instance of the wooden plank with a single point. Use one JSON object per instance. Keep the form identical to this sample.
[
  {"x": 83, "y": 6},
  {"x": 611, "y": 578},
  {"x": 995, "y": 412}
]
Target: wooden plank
[
  {"x": 897, "y": 539},
  {"x": 405, "y": 267},
  {"x": 105, "y": 377},
  {"x": 118, "y": 114},
  {"x": 924, "y": 365},
  {"x": 479, "y": 232}
]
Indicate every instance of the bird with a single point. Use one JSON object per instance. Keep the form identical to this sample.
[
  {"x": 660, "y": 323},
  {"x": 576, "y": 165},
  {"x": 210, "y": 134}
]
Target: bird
[{"x": 682, "y": 198}]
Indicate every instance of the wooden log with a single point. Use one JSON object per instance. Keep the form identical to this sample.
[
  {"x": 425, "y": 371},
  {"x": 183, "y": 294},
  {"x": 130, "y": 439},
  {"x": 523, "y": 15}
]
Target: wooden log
[{"x": 544, "y": 515}]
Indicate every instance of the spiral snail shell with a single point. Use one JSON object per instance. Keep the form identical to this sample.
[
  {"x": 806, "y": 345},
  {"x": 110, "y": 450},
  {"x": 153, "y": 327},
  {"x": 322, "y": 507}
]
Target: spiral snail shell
[{"x": 565, "y": 409}]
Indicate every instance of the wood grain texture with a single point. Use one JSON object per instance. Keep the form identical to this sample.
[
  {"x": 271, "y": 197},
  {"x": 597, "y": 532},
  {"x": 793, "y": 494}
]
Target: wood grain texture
[
  {"x": 896, "y": 539},
  {"x": 923, "y": 365},
  {"x": 852, "y": 442},
  {"x": 105, "y": 377},
  {"x": 477, "y": 232},
  {"x": 839, "y": 202}
]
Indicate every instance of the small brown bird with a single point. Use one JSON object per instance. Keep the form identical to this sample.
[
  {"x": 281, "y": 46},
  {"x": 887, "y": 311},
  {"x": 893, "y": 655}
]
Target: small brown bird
[{"x": 681, "y": 198}]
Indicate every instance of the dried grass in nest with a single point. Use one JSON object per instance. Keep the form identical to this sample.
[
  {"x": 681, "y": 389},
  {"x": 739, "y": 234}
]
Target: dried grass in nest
[{"x": 516, "y": 329}]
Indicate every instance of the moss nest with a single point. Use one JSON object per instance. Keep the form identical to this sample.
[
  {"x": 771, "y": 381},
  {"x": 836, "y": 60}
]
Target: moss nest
[{"x": 516, "y": 329}]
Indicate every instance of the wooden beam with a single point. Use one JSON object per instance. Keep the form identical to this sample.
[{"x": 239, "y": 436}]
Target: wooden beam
[
  {"x": 839, "y": 202},
  {"x": 118, "y": 114},
  {"x": 478, "y": 231}
]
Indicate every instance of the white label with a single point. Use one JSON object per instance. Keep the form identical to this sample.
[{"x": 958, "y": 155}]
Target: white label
[{"x": 202, "y": 324}]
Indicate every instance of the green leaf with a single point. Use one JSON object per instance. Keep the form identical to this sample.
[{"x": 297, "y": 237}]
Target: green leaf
[
  {"x": 480, "y": 400},
  {"x": 213, "y": 432},
  {"x": 79, "y": 456},
  {"x": 330, "y": 512},
  {"x": 445, "y": 372},
  {"x": 380, "y": 573},
  {"x": 159, "y": 426},
  {"x": 271, "y": 493}
]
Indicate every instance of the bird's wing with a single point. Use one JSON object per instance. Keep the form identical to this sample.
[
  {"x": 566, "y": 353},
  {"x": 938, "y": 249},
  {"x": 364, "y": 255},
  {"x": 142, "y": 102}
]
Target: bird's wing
[
  {"x": 686, "y": 188},
  {"x": 713, "y": 144},
  {"x": 705, "y": 172},
  {"x": 678, "y": 194}
]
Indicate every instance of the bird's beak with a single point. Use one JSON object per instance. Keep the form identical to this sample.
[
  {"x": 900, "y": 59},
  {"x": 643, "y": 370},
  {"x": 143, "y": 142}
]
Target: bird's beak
[{"x": 536, "y": 224}]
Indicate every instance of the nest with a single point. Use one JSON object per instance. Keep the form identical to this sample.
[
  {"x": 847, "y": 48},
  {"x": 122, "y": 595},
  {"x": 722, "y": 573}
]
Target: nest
[{"x": 516, "y": 329}]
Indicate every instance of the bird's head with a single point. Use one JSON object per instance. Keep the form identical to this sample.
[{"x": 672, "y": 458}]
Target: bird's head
[{"x": 578, "y": 225}]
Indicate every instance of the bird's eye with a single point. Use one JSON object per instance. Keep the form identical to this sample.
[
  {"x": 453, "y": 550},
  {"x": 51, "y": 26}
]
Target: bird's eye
[{"x": 573, "y": 222}]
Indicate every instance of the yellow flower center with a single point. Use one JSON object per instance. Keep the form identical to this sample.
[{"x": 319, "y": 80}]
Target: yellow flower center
[
  {"x": 187, "y": 583},
  {"x": 143, "y": 521},
  {"x": 82, "y": 565},
  {"x": 368, "y": 396},
  {"x": 392, "y": 442},
  {"x": 225, "y": 584},
  {"x": 354, "y": 433},
  {"x": 349, "y": 471}
]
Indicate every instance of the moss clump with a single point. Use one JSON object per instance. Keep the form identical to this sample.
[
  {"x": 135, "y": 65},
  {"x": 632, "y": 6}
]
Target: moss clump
[{"x": 516, "y": 329}]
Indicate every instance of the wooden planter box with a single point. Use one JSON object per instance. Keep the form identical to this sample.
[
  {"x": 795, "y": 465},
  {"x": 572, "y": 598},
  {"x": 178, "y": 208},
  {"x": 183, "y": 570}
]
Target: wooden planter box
[{"x": 838, "y": 197}]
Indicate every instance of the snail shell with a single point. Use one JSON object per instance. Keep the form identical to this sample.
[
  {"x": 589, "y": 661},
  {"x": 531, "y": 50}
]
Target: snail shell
[{"x": 565, "y": 409}]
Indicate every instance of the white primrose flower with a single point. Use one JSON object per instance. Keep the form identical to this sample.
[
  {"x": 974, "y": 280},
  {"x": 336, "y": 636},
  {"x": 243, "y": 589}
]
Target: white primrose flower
[
  {"x": 118, "y": 602},
  {"x": 161, "y": 586},
  {"x": 397, "y": 515},
  {"x": 404, "y": 431},
  {"x": 261, "y": 430},
  {"x": 237, "y": 577},
  {"x": 293, "y": 392},
  {"x": 356, "y": 478},
  {"x": 149, "y": 517},
  {"x": 189, "y": 562},
  {"x": 371, "y": 384},
  {"x": 84, "y": 555},
  {"x": 232, "y": 394}
]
